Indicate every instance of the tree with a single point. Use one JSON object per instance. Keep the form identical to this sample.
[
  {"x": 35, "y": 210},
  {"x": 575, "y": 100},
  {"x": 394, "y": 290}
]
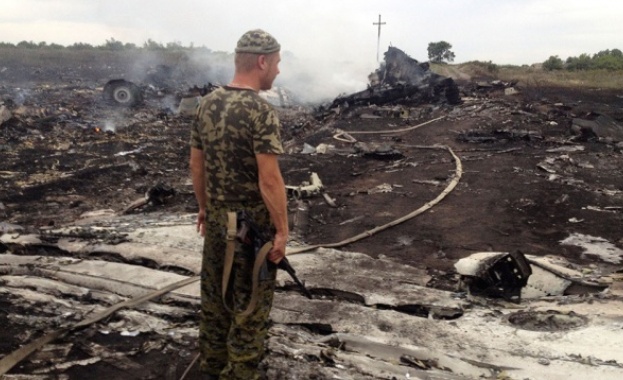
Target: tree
[
  {"x": 583, "y": 62},
  {"x": 113, "y": 44},
  {"x": 80, "y": 46},
  {"x": 175, "y": 45},
  {"x": 440, "y": 51},
  {"x": 26, "y": 44},
  {"x": 553, "y": 63},
  {"x": 608, "y": 62},
  {"x": 152, "y": 45}
]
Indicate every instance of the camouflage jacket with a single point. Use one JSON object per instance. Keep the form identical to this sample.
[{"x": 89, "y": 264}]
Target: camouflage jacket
[{"x": 231, "y": 127}]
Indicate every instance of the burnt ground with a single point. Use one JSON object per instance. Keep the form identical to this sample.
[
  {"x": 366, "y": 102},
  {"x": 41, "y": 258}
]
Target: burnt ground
[{"x": 529, "y": 180}]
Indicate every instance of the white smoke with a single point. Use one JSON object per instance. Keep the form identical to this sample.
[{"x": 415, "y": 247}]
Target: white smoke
[
  {"x": 319, "y": 80},
  {"x": 109, "y": 126},
  {"x": 310, "y": 80}
]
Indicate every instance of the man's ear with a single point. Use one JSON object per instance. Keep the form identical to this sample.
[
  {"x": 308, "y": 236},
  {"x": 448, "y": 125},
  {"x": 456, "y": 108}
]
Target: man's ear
[{"x": 262, "y": 62}]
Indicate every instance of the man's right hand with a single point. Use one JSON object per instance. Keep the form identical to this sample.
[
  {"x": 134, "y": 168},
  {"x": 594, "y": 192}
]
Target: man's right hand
[{"x": 278, "y": 251}]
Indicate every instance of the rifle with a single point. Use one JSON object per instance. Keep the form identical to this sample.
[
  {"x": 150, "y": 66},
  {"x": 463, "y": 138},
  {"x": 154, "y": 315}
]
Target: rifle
[{"x": 248, "y": 232}]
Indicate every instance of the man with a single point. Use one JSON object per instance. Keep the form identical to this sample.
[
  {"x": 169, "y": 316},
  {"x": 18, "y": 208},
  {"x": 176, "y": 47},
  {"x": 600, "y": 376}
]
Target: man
[{"x": 235, "y": 143}]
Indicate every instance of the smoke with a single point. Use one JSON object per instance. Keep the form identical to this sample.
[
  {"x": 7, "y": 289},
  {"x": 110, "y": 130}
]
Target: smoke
[
  {"x": 21, "y": 95},
  {"x": 317, "y": 80},
  {"x": 309, "y": 80},
  {"x": 110, "y": 126}
]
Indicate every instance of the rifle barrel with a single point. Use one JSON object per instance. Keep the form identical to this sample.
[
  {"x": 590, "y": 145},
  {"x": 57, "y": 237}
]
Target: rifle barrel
[{"x": 285, "y": 265}]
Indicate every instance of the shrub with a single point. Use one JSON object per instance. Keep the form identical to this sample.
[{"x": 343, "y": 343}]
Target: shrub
[{"x": 553, "y": 63}]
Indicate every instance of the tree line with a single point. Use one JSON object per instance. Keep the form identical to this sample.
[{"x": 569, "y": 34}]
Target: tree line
[
  {"x": 110, "y": 44},
  {"x": 604, "y": 60}
]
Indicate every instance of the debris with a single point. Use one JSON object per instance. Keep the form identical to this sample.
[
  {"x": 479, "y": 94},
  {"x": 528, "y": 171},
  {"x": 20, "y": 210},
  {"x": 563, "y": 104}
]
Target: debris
[
  {"x": 306, "y": 189},
  {"x": 9, "y": 228},
  {"x": 156, "y": 195},
  {"x": 427, "y": 182},
  {"x": 351, "y": 220},
  {"x": 418, "y": 357},
  {"x": 5, "y": 114},
  {"x": 599, "y": 126},
  {"x": 382, "y": 188},
  {"x": 378, "y": 151},
  {"x": 554, "y": 276},
  {"x": 550, "y": 321},
  {"x": 308, "y": 149},
  {"x": 43, "y": 142},
  {"x": 123, "y": 93},
  {"x": 496, "y": 274},
  {"x": 188, "y": 106},
  {"x": 300, "y": 218},
  {"x": 400, "y": 79},
  {"x": 324, "y": 148},
  {"x": 510, "y": 91},
  {"x": 596, "y": 246},
  {"x": 330, "y": 201},
  {"x": 498, "y": 135},
  {"x": 567, "y": 149}
]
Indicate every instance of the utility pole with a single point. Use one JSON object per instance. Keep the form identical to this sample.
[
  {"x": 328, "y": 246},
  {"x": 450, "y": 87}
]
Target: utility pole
[{"x": 378, "y": 42}]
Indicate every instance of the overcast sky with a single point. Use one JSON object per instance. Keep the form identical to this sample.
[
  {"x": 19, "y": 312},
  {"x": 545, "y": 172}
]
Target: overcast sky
[{"x": 332, "y": 32}]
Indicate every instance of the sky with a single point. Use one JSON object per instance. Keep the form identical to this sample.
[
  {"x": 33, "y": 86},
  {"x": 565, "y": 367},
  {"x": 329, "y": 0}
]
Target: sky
[{"x": 335, "y": 36}]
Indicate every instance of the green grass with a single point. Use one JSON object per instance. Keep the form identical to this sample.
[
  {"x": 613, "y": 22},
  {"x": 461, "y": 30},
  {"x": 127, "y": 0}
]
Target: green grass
[
  {"x": 578, "y": 79},
  {"x": 531, "y": 76}
]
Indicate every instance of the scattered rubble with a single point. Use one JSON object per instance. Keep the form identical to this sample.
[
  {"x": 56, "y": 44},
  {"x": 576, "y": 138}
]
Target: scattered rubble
[{"x": 97, "y": 209}]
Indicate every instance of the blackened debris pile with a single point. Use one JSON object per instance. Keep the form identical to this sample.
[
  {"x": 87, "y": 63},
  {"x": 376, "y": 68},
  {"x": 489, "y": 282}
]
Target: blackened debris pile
[{"x": 403, "y": 80}]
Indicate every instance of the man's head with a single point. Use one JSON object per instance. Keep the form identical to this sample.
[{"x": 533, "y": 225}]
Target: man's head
[{"x": 258, "y": 50}]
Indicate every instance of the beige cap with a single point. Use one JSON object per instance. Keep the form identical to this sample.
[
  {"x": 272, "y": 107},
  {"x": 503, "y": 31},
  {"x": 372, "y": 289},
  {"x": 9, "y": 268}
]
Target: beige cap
[{"x": 257, "y": 41}]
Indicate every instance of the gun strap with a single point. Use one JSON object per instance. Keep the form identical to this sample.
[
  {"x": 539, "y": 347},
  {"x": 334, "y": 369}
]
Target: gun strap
[{"x": 229, "y": 262}]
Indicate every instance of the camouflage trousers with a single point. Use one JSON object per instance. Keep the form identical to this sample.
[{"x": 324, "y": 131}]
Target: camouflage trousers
[{"x": 232, "y": 346}]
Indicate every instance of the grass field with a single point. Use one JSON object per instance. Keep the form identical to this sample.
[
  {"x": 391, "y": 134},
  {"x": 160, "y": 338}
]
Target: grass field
[{"x": 532, "y": 76}]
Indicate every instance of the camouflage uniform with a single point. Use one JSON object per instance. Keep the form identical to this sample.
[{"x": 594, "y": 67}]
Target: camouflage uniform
[{"x": 232, "y": 125}]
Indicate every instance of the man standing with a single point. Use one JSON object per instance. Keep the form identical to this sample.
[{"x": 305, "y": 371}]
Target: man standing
[{"x": 235, "y": 143}]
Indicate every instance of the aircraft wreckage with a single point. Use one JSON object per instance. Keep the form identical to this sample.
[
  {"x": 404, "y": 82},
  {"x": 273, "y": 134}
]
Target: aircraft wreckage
[
  {"x": 76, "y": 291},
  {"x": 401, "y": 80},
  {"x": 397, "y": 329}
]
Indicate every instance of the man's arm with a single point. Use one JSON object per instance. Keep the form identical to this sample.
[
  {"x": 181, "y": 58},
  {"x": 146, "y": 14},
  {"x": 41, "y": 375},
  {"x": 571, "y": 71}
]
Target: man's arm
[
  {"x": 273, "y": 191},
  {"x": 197, "y": 171}
]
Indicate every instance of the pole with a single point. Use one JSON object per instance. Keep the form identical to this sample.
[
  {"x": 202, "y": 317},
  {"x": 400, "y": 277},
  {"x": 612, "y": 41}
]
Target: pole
[{"x": 378, "y": 42}]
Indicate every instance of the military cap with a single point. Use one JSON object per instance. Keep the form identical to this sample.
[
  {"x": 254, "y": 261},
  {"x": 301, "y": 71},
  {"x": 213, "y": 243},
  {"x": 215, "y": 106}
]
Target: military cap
[{"x": 257, "y": 41}]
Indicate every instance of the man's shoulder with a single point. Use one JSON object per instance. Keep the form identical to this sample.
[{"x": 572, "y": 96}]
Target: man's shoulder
[{"x": 246, "y": 97}]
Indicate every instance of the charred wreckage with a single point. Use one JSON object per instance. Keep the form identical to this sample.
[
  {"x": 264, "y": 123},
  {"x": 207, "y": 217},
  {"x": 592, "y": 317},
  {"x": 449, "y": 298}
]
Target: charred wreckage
[
  {"x": 70, "y": 163},
  {"x": 399, "y": 80}
]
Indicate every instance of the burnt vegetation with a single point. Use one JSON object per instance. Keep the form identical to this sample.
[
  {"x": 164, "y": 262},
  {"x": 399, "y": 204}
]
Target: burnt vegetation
[{"x": 540, "y": 161}]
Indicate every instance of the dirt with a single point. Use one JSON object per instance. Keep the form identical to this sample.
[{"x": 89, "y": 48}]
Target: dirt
[{"x": 60, "y": 161}]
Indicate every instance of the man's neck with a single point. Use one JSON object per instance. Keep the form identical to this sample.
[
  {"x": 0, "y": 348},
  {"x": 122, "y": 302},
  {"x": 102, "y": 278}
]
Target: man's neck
[{"x": 244, "y": 82}]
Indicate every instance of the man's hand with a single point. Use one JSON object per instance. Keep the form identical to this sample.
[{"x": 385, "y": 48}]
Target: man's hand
[
  {"x": 278, "y": 251},
  {"x": 201, "y": 222}
]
